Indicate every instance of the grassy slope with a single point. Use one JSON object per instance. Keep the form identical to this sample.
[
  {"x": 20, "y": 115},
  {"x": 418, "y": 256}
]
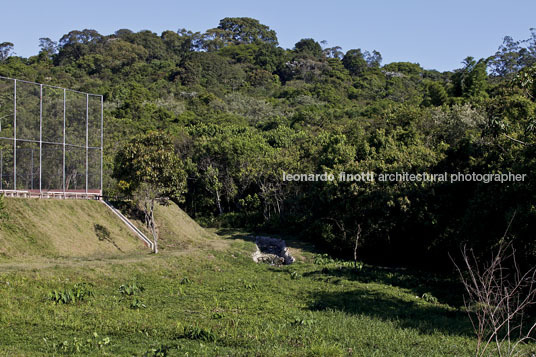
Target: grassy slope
[
  {"x": 178, "y": 231},
  {"x": 62, "y": 228},
  {"x": 204, "y": 296}
]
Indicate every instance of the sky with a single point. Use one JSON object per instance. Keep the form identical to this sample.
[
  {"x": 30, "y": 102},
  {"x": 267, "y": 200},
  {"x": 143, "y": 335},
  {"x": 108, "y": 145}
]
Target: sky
[{"x": 437, "y": 35}]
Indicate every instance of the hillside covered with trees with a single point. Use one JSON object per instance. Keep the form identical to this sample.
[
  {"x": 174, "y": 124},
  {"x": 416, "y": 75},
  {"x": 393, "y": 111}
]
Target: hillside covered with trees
[{"x": 239, "y": 111}]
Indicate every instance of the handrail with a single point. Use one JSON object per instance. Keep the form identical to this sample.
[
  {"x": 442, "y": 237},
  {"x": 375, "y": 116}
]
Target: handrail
[{"x": 130, "y": 225}]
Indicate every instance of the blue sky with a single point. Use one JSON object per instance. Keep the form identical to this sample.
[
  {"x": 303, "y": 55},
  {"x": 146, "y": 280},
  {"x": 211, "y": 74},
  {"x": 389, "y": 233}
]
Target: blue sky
[{"x": 438, "y": 35}]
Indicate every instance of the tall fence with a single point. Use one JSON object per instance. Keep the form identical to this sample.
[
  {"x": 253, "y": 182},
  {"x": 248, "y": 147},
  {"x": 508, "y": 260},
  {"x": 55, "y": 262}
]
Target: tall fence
[{"x": 51, "y": 139}]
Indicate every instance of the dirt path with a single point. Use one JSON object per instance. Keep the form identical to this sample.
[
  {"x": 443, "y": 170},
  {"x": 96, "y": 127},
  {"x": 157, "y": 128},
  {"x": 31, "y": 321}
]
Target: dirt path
[{"x": 42, "y": 263}]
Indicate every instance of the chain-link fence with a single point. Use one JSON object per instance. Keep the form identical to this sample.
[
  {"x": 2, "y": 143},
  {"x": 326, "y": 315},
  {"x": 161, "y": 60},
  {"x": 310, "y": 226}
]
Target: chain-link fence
[{"x": 50, "y": 139}]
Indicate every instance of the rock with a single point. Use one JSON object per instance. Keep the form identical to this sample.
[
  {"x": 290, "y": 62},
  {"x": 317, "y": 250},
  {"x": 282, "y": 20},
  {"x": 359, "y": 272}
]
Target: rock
[{"x": 272, "y": 251}]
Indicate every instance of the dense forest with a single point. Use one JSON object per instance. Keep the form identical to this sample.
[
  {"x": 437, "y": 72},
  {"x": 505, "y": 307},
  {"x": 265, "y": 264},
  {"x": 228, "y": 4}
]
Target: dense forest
[{"x": 239, "y": 111}]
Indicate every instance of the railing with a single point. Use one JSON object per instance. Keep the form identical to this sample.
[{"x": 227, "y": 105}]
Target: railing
[
  {"x": 130, "y": 225},
  {"x": 51, "y": 194}
]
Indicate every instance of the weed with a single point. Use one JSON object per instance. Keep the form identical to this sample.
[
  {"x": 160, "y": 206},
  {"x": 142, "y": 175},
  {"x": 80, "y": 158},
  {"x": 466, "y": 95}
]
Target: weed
[
  {"x": 198, "y": 333},
  {"x": 160, "y": 351},
  {"x": 137, "y": 304},
  {"x": 428, "y": 297},
  {"x": 78, "y": 292},
  {"x": 79, "y": 345},
  {"x": 217, "y": 316},
  {"x": 303, "y": 322},
  {"x": 294, "y": 275},
  {"x": 185, "y": 280},
  {"x": 249, "y": 286},
  {"x": 323, "y": 259},
  {"x": 131, "y": 289}
]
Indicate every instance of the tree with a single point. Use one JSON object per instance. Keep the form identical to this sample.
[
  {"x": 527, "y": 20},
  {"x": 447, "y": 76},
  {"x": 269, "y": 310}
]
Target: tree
[
  {"x": 149, "y": 169},
  {"x": 213, "y": 185},
  {"x": 84, "y": 37},
  {"x": 77, "y": 44},
  {"x": 309, "y": 47},
  {"x": 354, "y": 61},
  {"x": 6, "y": 50},
  {"x": 238, "y": 31},
  {"x": 526, "y": 81},
  {"x": 48, "y": 46},
  {"x": 176, "y": 44},
  {"x": 333, "y": 52},
  {"x": 245, "y": 30},
  {"x": 436, "y": 94},
  {"x": 507, "y": 59},
  {"x": 512, "y": 56},
  {"x": 405, "y": 68},
  {"x": 471, "y": 80}
]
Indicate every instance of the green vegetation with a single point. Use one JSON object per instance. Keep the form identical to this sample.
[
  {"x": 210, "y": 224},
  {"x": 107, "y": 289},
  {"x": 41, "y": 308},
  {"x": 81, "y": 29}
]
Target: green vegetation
[
  {"x": 238, "y": 111},
  {"x": 211, "y": 121},
  {"x": 204, "y": 295},
  {"x": 219, "y": 302},
  {"x": 148, "y": 170},
  {"x": 77, "y": 293}
]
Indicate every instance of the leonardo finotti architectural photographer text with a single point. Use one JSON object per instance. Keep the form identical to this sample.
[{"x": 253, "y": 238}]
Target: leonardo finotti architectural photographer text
[{"x": 371, "y": 176}]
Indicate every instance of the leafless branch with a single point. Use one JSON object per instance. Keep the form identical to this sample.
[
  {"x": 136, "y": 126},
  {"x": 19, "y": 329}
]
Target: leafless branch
[{"x": 497, "y": 297}]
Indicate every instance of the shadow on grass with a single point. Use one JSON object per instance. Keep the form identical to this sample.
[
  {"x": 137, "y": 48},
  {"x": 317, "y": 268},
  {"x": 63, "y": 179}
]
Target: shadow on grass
[
  {"x": 425, "y": 318},
  {"x": 446, "y": 289},
  {"x": 232, "y": 233},
  {"x": 291, "y": 242}
]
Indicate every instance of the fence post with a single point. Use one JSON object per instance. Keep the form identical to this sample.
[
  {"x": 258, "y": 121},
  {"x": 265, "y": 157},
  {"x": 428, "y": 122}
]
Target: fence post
[
  {"x": 64, "y": 98},
  {"x": 87, "y": 140},
  {"x": 102, "y": 142},
  {"x": 40, "y": 137},
  {"x": 14, "y": 134}
]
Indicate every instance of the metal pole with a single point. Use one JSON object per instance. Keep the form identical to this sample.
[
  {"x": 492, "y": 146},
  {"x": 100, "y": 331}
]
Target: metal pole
[
  {"x": 32, "y": 170},
  {"x": 40, "y": 135},
  {"x": 15, "y": 134},
  {"x": 64, "y": 96},
  {"x": 87, "y": 138},
  {"x": 102, "y": 141}
]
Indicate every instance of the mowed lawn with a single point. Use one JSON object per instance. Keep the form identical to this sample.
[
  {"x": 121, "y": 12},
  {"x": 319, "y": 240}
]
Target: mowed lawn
[{"x": 218, "y": 302}]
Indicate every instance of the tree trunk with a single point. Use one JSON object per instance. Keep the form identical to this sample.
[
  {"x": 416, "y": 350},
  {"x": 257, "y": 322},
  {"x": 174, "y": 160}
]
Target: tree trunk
[
  {"x": 218, "y": 202},
  {"x": 153, "y": 229},
  {"x": 358, "y": 234}
]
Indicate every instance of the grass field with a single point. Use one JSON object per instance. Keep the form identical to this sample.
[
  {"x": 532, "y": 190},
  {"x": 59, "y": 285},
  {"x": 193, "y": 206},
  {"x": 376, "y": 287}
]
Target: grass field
[{"x": 206, "y": 296}]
